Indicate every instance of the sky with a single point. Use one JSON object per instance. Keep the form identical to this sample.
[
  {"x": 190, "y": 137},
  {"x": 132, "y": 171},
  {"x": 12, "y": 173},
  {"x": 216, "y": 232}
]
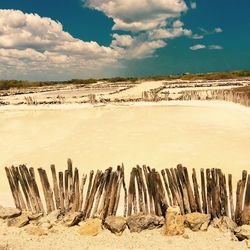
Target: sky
[{"x": 79, "y": 39}]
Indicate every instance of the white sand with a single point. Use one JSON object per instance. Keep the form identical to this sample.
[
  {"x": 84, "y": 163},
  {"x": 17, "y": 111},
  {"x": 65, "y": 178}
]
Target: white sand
[
  {"x": 67, "y": 238},
  {"x": 196, "y": 134}
]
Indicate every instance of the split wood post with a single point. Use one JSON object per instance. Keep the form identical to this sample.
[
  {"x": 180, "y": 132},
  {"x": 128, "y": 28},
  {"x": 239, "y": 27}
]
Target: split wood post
[
  {"x": 230, "y": 188},
  {"x": 94, "y": 189},
  {"x": 113, "y": 194},
  {"x": 39, "y": 201},
  {"x": 83, "y": 181},
  {"x": 245, "y": 217},
  {"x": 226, "y": 195},
  {"x": 162, "y": 195},
  {"x": 88, "y": 194},
  {"x": 215, "y": 192},
  {"x": 55, "y": 186},
  {"x": 183, "y": 187},
  {"x": 178, "y": 190},
  {"x": 155, "y": 193},
  {"x": 196, "y": 191},
  {"x": 172, "y": 187},
  {"x": 31, "y": 191},
  {"x": 102, "y": 204},
  {"x": 107, "y": 196},
  {"x": 125, "y": 194},
  {"x": 146, "y": 174},
  {"x": 140, "y": 194},
  {"x": 48, "y": 194},
  {"x": 209, "y": 191},
  {"x": 76, "y": 190},
  {"x": 70, "y": 184},
  {"x": 145, "y": 196},
  {"x": 13, "y": 189},
  {"x": 131, "y": 191},
  {"x": 190, "y": 192},
  {"x": 24, "y": 187},
  {"x": 203, "y": 191},
  {"x": 167, "y": 187},
  {"x": 66, "y": 189},
  {"x": 17, "y": 187},
  {"x": 120, "y": 179},
  {"x": 61, "y": 191},
  {"x": 239, "y": 194}
]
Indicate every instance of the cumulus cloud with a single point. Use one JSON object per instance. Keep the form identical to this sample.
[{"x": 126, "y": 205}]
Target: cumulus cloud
[
  {"x": 151, "y": 23},
  {"x": 140, "y": 15},
  {"x": 29, "y": 42},
  {"x": 196, "y": 36},
  {"x": 198, "y": 47}
]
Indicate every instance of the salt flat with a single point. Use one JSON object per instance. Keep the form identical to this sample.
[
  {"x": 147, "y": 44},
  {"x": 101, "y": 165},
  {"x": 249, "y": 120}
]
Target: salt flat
[{"x": 196, "y": 134}]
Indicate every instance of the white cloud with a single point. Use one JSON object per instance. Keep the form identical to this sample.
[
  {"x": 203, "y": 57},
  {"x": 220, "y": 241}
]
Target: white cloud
[
  {"x": 193, "y": 5},
  {"x": 198, "y": 47},
  {"x": 196, "y": 36},
  {"x": 215, "y": 47},
  {"x": 218, "y": 30},
  {"x": 30, "y": 43},
  {"x": 131, "y": 15},
  {"x": 122, "y": 40},
  {"x": 169, "y": 33}
]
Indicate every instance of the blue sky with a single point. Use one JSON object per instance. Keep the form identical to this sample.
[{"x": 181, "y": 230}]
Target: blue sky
[{"x": 64, "y": 39}]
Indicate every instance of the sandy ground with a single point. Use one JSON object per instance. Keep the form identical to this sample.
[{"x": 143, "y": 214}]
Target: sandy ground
[
  {"x": 196, "y": 134},
  {"x": 67, "y": 238}
]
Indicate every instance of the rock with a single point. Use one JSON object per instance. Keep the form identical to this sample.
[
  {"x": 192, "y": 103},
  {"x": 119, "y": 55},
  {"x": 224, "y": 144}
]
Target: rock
[
  {"x": 72, "y": 219},
  {"x": 36, "y": 231},
  {"x": 116, "y": 224},
  {"x": 224, "y": 224},
  {"x": 52, "y": 217},
  {"x": 197, "y": 221},
  {"x": 185, "y": 236},
  {"x": 174, "y": 224},
  {"x": 243, "y": 232},
  {"x": 20, "y": 221},
  {"x": 35, "y": 216},
  {"x": 248, "y": 243},
  {"x": 90, "y": 227},
  {"x": 9, "y": 212},
  {"x": 139, "y": 222}
]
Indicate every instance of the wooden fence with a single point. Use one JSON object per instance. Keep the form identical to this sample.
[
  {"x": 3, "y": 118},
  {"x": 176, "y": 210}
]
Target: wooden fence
[{"x": 149, "y": 191}]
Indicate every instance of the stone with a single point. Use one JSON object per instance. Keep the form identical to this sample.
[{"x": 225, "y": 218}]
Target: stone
[
  {"x": 197, "y": 221},
  {"x": 248, "y": 243},
  {"x": 174, "y": 225},
  {"x": 185, "y": 236},
  {"x": 224, "y": 224},
  {"x": 36, "y": 231},
  {"x": 90, "y": 227},
  {"x": 243, "y": 232},
  {"x": 9, "y": 212},
  {"x": 116, "y": 224},
  {"x": 72, "y": 219},
  {"x": 35, "y": 216},
  {"x": 20, "y": 221},
  {"x": 139, "y": 222},
  {"x": 52, "y": 218}
]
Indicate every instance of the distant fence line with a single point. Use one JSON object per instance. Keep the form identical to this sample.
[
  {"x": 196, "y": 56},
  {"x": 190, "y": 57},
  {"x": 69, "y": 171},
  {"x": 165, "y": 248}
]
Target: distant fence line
[{"x": 149, "y": 191}]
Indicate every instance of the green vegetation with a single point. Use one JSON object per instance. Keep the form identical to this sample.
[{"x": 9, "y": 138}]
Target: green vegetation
[{"x": 8, "y": 84}]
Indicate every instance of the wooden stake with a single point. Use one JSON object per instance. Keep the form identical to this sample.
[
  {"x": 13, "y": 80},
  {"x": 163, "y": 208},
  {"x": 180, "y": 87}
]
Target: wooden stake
[
  {"x": 167, "y": 187},
  {"x": 61, "y": 192},
  {"x": 55, "y": 186},
  {"x": 230, "y": 187},
  {"x": 245, "y": 217},
  {"x": 83, "y": 181},
  {"x": 203, "y": 192},
  {"x": 196, "y": 191}
]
